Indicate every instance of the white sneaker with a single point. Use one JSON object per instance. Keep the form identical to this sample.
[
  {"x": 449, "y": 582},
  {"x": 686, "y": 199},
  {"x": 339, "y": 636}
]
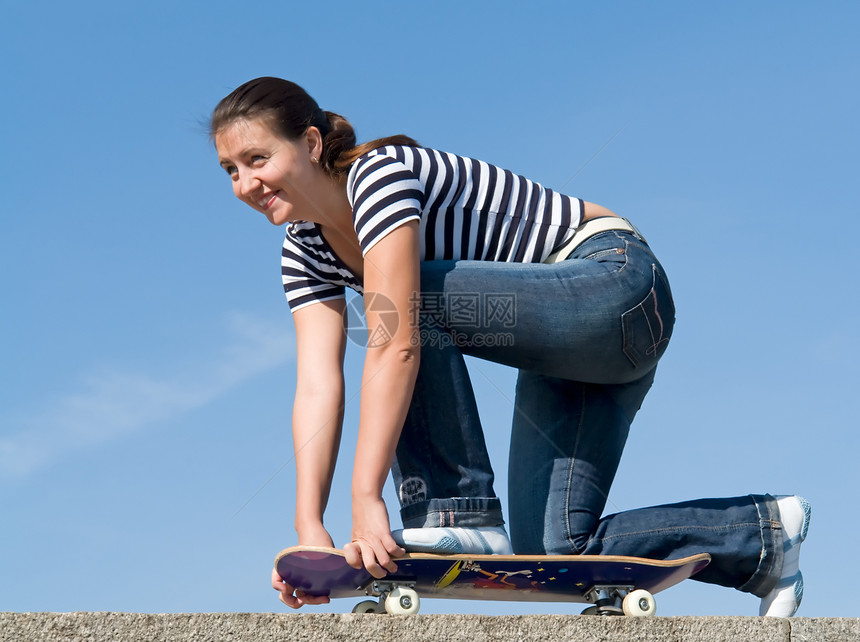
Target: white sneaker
[
  {"x": 449, "y": 540},
  {"x": 783, "y": 601}
]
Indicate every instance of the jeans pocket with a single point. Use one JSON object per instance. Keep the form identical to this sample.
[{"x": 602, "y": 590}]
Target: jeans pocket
[
  {"x": 614, "y": 255},
  {"x": 647, "y": 327}
]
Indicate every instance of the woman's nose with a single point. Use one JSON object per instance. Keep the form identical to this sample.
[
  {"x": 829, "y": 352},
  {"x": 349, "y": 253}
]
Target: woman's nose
[{"x": 247, "y": 184}]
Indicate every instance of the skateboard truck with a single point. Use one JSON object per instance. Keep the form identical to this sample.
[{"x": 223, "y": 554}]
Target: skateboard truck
[
  {"x": 620, "y": 600},
  {"x": 395, "y": 598}
]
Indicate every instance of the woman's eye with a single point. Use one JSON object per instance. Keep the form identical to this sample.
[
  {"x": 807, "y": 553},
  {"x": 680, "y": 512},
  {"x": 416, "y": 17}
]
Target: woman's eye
[{"x": 256, "y": 160}]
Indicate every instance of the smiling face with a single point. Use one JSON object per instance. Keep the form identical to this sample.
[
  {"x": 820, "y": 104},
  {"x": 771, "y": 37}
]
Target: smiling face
[{"x": 273, "y": 175}]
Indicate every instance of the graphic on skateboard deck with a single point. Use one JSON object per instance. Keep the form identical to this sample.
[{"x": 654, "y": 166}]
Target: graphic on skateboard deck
[{"x": 612, "y": 584}]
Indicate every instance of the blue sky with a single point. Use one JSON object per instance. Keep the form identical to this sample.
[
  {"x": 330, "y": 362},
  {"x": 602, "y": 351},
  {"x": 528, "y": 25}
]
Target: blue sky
[{"x": 146, "y": 358}]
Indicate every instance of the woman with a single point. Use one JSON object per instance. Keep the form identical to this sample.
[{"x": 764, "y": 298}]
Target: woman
[{"x": 457, "y": 257}]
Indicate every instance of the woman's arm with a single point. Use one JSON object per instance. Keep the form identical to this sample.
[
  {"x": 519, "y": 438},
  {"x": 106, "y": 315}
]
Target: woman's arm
[
  {"x": 317, "y": 413},
  {"x": 317, "y": 423},
  {"x": 391, "y": 277}
]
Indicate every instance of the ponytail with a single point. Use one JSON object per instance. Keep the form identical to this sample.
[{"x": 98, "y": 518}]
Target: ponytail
[{"x": 340, "y": 150}]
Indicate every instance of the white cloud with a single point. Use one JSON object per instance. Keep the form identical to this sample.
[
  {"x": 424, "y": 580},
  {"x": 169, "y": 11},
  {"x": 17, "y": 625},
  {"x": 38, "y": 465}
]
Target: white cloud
[{"x": 116, "y": 402}]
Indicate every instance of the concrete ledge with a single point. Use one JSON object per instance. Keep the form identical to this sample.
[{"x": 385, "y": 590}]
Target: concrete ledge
[{"x": 239, "y": 627}]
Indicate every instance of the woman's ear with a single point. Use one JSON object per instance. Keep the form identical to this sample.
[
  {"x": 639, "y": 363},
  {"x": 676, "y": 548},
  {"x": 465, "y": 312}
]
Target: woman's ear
[{"x": 314, "y": 141}]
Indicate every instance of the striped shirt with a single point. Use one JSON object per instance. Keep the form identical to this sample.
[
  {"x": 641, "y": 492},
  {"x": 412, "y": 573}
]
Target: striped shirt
[{"x": 466, "y": 209}]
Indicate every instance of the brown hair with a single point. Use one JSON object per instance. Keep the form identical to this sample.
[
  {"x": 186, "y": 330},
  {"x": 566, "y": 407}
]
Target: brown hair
[{"x": 290, "y": 111}]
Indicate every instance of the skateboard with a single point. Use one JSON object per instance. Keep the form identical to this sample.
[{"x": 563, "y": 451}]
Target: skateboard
[{"x": 613, "y": 585}]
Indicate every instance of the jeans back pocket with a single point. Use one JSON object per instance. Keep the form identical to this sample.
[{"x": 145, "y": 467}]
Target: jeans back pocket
[{"x": 647, "y": 327}]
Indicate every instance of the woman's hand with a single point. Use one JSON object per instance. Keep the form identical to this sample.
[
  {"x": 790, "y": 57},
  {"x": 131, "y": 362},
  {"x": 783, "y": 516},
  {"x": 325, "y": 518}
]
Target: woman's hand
[
  {"x": 292, "y": 597},
  {"x": 372, "y": 545},
  {"x": 309, "y": 535}
]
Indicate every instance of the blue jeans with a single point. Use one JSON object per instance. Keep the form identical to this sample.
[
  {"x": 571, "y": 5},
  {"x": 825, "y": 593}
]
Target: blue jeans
[{"x": 585, "y": 335}]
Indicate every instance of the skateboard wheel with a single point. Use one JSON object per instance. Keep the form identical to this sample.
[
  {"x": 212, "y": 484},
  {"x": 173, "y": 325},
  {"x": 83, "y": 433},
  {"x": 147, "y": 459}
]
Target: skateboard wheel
[
  {"x": 367, "y": 606},
  {"x": 639, "y": 603},
  {"x": 402, "y": 601}
]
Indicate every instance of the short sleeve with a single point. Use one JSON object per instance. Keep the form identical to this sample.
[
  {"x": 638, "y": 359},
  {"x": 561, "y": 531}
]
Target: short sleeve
[
  {"x": 306, "y": 272},
  {"x": 384, "y": 194}
]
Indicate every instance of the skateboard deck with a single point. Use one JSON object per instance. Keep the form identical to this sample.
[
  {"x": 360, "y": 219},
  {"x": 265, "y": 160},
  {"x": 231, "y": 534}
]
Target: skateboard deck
[{"x": 602, "y": 580}]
